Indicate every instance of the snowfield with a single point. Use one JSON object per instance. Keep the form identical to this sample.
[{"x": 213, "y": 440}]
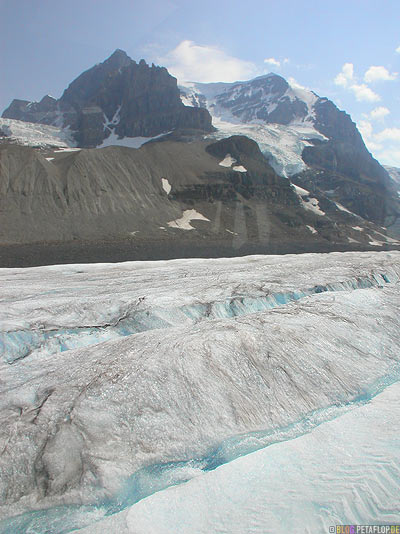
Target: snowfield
[
  {"x": 243, "y": 395},
  {"x": 38, "y": 135},
  {"x": 282, "y": 145}
]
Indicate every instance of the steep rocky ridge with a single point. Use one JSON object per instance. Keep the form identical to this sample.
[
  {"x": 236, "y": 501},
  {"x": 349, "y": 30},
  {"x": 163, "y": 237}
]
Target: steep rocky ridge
[
  {"x": 394, "y": 173},
  {"x": 346, "y": 170},
  {"x": 119, "y": 95}
]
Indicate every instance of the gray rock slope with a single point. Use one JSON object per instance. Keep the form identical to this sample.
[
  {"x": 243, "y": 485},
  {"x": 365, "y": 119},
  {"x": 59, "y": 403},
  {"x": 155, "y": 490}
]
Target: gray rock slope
[{"x": 166, "y": 194}]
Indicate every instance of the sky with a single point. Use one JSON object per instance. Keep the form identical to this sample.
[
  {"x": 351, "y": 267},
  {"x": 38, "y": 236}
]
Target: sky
[{"x": 346, "y": 50}]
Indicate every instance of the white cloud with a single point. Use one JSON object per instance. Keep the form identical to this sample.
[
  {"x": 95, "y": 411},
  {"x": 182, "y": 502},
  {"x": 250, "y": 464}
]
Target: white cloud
[
  {"x": 346, "y": 75},
  {"x": 378, "y": 73},
  {"x": 347, "y": 80},
  {"x": 379, "y": 113},
  {"x": 202, "y": 63},
  {"x": 388, "y": 134},
  {"x": 365, "y": 128},
  {"x": 385, "y": 145},
  {"x": 398, "y": 49},
  {"x": 296, "y": 85},
  {"x": 272, "y": 61},
  {"x": 390, "y": 156},
  {"x": 363, "y": 93}
]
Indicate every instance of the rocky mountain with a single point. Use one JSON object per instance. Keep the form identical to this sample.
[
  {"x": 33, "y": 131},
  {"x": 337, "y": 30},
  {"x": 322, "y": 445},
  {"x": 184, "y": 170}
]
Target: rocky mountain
[
  {"x": 120, "y": 203},
  {"x": 277, "y": 170},
  {"x": 332, "y": 159},
  {"x": 118, "y": 96},
  {"x": 394, "y": 174}
]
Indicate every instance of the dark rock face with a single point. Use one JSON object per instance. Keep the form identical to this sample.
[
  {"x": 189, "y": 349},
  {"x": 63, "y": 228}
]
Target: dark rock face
[
  {"x": 44, "y": 112},
  {"x": 118, "y": 96},
  {"x": 345, "y": 166},
  {"x": 260, "y": 180},
  {"x": 265, "y": 98}
]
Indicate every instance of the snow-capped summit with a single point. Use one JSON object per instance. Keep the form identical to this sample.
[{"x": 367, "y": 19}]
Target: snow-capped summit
[
  {"x": 267, "y": 98},
  {"x": 305, "y": 137}
]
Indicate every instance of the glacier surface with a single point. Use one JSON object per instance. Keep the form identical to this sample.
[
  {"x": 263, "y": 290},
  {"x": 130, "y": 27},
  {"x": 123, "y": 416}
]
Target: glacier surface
[
  {"x": 39, "y": 135},
  {"x": 345, "y": 472},
  {"x": 118, "y": 381}
]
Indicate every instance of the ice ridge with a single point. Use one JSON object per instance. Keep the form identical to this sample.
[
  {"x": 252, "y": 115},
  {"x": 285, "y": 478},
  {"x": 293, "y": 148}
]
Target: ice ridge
[{"x": 18, "y": 344}]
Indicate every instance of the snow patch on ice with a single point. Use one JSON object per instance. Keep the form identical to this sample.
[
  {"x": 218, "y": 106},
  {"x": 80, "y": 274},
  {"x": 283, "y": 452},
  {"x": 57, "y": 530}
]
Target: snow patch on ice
[
  {"x": 343, "y": 472},
  {"x": 184, "y": 222}
]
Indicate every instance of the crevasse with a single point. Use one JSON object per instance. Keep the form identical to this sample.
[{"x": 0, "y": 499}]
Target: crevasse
[{"x": 18, "y": 344}]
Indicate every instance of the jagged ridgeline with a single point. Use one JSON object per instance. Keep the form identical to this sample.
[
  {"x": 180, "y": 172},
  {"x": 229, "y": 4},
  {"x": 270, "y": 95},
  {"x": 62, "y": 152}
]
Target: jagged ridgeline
[
  {"x": 138, "y": 99},
  {"x": 226, "y": 169}
]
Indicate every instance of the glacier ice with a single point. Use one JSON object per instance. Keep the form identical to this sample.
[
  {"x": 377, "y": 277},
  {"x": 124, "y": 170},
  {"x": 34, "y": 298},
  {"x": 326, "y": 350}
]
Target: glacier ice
[
  {"x": 41, "y": 135},
  {"x": 233, "y": 355},
  {"x": 345, "y": 472},
  {"x": 83, "y": 313}
]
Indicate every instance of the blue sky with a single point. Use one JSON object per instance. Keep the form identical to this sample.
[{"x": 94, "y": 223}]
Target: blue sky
[{"x": 345, "y": 50}]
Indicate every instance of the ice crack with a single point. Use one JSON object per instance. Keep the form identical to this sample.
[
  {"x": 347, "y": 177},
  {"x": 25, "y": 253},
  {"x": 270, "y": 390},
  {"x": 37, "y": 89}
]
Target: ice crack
[{"x": 19, "y": 344}]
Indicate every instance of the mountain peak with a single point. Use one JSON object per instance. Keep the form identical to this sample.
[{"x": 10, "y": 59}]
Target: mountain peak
[
  {"x": 120, "y": 58},
  {"x": 119, "y": 53}
]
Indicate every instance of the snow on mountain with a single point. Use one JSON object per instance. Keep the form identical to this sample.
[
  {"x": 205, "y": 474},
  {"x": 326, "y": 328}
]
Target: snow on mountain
[
  {"x": 35, "y": 134},
  {"x": 307, "y": 201},
  {"x": 44, "y": 136},
  {"x": 184, "y": 222},
  {"x": 120, "y": 380},
  {"x": 131, "y": 142},
  {"x": 277, "y": 116},
  {"x": 282, "y": 145},
  {"x": 262, "y": 98}
]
